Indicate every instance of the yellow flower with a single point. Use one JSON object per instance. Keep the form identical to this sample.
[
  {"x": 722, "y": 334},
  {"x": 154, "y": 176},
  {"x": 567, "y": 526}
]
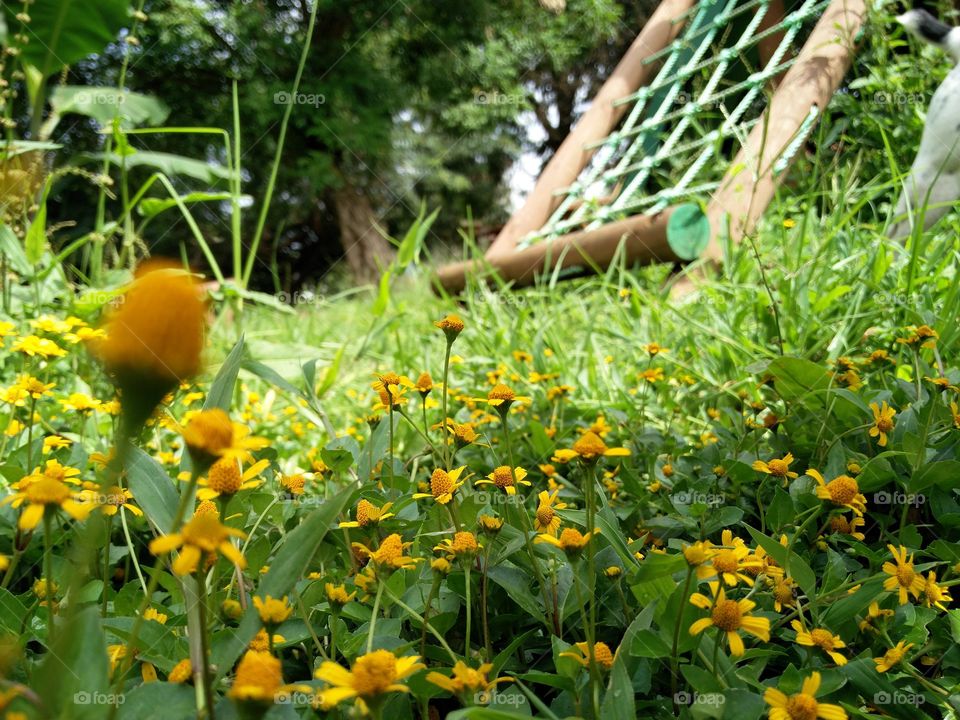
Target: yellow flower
[
  {"x": 571, "y": 541},
  {"x": 730, "y": 617},
  {"x": 451, "y": 325},
  {"x": 655, "y": 348},
  {"x": 893, "y": 656},
  {"x": 391, "y": 388},
  {"x": 465, "y": 680},
  {"x": 45, "y": 589},
  {"x": 337, "y": 595},
  {"x": 922, "y": 335},
  {"x": 503, "y": 477},
  {"x": 502, "y": 397},
  {"x": 698, "y": 555},
  {"x": 463, "y": 546},
  {"x": 651, "y": 375},
  {"x": 181, "y": 672},
  {"x": 778, "y": 467},
  {"x": 783, "y": 593},
  {"x": 203, "y": 534},
  {"x": 81, "y": 403},
  {"x": 258, "y": 679},
  {"x": 424, "y": 384},
  {"x": 443, "y": 484},
  {"x": 154, "y": 614},
  {"x": 369, "y": 514},
  {"x": 821, "y": 638},
  {"x": 588, "y": 448},
  {"x": 843, "y": 490},
  {"x": 210, "y": 434},
  {"x": 389, "y": 556},
  {"x": 111, "y": 500},
  {"x": 225, "y": 478},
  {"x": 157, "y": 331},
  {"x": 903, "y": 578},
  {"x": 371, "y": 677},
  {"x": 231, "y": 609},
  {"x": 261, "y": 641},
  {"x": 840, "y": 525},
  {"x": 873, "y": 613},
  {"x": 546, "y": 519},
  {"x": 34, "y": 388},
  {"x": 934, "y": 594},
  {"x": 44, "y": 347},
  {"x": 602, "y": 655},
  {"x": 882, "y": 422},
  {"x": 271, "y": 610},
  {"x": 489, "y": 524},
  {"x": 802, "y": 705},
  {"x": 55, "y": 442},
  {"x": 732, "y": 560},
  {"x": 41, "y": 494}
]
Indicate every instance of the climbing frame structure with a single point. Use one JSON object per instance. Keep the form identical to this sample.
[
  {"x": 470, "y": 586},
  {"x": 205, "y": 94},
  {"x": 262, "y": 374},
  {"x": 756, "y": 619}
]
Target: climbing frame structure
[{"x": 684, "y": 143}]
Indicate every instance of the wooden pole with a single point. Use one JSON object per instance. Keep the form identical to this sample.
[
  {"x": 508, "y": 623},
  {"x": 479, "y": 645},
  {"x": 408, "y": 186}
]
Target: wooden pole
[
  {"x": 598, "y": 122},
  {"x": 749, "y": 185},
  {"x": 644, "y": 239}
]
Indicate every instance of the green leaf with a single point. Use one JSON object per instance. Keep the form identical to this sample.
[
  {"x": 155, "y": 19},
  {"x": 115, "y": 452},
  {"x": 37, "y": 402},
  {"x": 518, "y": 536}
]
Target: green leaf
[
  {"x": 36, "y": 239},
  {"x": 935, "y": 473},
  {"x": 73, "y": 679},
  {"x": 412, "y": 243},
  {"x": 153, "y": 489},
  {"x": 158, "y": 701},
  {"x": 11, "y": 248},
  {"x": 221, "y": 390},
  {"x": 330, "y": 376},
  {"x": 104, "y": 104},
  {"x": 618, "y": 701},
  {"x": 383, "y": 295},
  {"x": 168, "y": 164},
  {"x": 688, "y": 231},
  {"x": 65, "y": 31},
  {"x": 286, "y": 568},
  {"x": 151, "y": 207}
]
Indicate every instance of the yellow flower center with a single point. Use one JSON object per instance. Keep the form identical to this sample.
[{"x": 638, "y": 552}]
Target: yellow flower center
[
  {"x": 440, "y": 483},
  {"x": 802, "y": 707},
  {"x": 822, "y": 639},
  {"x": 501, "y": 392},
  {"x": 364, "y": 509},
  {"x": 503, "y": 477},
  {"x": 726, "y": 615},
  {"x": 545, "y": 515},
  {"x": 695, "y": 554},
  {"x": 725, "y": 561},
  {"x": 258, "y": 676},
  {"x": 464, "y": 543},
  {"x": 224, "y": 477},
  {"x": 47, "y": 491},
  {"x": 293, "y": 484},
  {"x": 843, "y": 489},
  {"x": 905, "y": 575},
  {"x": 884, "y": 423},
  {"x": 783, "y": 593},
  {"x": 589, "y": 445},
  {"x": 571, "y": 539},
  {"x": 374, "y": 672},
  {"x": 602, "y": 654},
  {"x": 839, "y": 524},
  {"x": 778, "y": 467}
]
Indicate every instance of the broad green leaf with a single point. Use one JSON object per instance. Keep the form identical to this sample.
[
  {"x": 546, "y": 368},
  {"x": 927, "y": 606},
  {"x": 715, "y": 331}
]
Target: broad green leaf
[
  {"x": 159, "y": 701},
  {"x": 65, "y": 31},
  {"x": 151, "y": 207},
  {"x": 11, "y": 248},
  {"x": 220, "y": 394},
  {"x": 73, "y": 678},
  {"x": 103, "y": 104},
  {"x": 152, "y": 488},
  {"x": 794, "y": 565},
  {"x": 169, "y": 164},
  {"x": 36, "y": 239},
  {"x": 935, "y": 473},
  {"x": 383, "y": 295}
]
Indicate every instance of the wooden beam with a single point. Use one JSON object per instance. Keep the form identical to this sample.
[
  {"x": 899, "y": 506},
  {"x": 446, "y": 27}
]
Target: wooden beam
[
  {"x": 749, "y": 185},
  {"x": 598, "y": 122},
  {"x": 644, "y": 239}
]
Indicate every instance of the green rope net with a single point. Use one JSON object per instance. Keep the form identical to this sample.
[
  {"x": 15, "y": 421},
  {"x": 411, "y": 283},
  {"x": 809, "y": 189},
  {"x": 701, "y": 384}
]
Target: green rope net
[{"x": 681, "y": 130}]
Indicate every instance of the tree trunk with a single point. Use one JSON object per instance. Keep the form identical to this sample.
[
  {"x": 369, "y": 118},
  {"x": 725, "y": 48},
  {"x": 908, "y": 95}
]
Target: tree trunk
[{"x": 366, "y": 251}]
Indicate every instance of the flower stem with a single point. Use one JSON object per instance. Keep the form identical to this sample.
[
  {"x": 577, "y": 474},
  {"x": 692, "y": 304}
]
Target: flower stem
[
  {"x": 416, "y": 616},
  {"x": 466, "y": 640},
  {"x": 674, "y": 660},
  {"x": 376, "y": 611},
  {"x": 106, "y": 565},
  {"x": 48, "y": 572},
  {"x": 443, "y": 400}
]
